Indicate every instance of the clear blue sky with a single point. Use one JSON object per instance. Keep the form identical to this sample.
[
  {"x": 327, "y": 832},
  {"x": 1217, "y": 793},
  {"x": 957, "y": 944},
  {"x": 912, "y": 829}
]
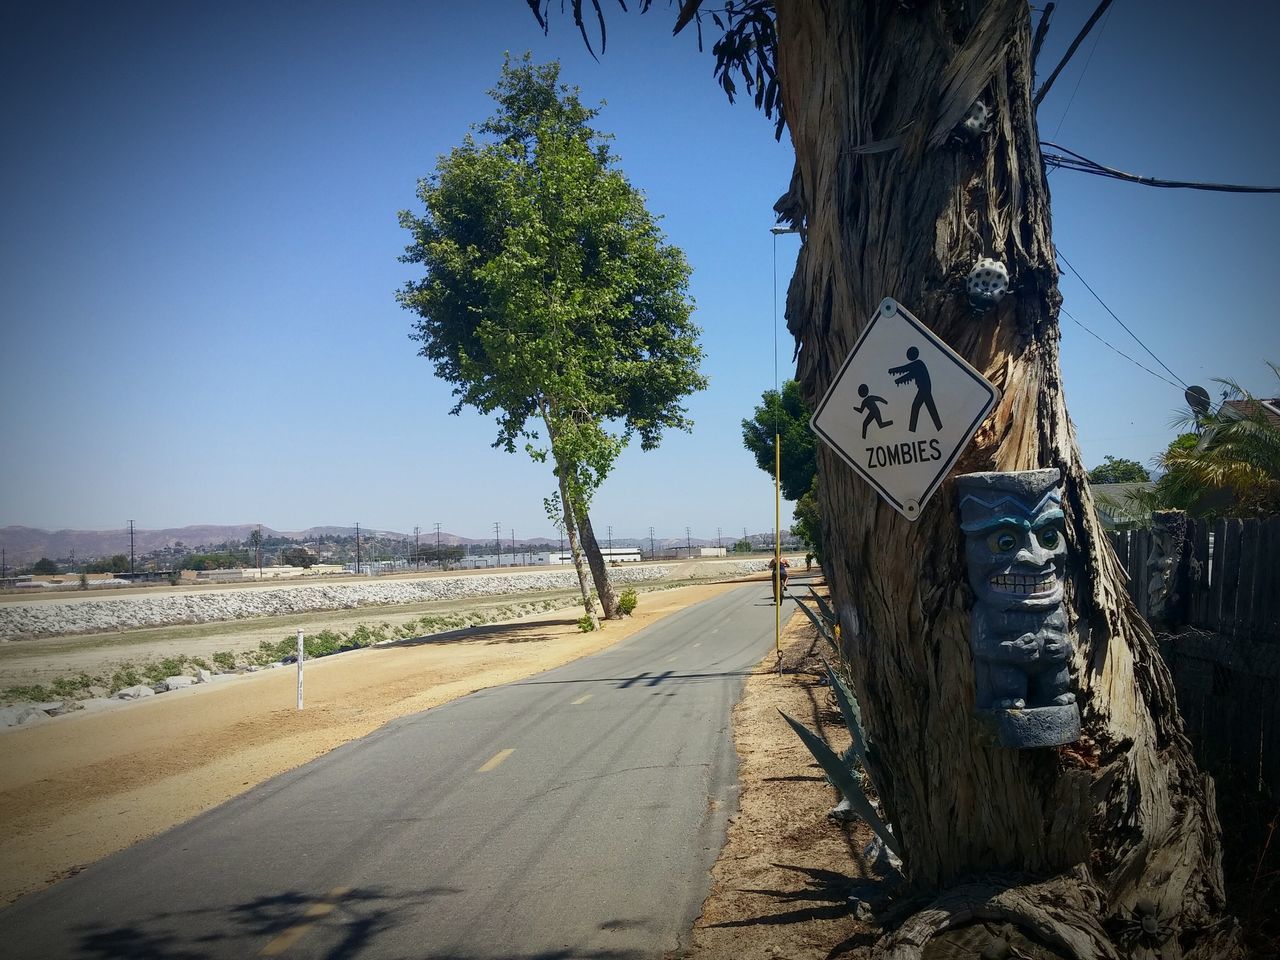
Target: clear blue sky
[{"x": 199, "y": 241}]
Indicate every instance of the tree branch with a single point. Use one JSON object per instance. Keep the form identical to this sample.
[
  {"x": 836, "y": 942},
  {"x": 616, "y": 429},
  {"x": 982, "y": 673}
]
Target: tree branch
[
  {"x": 1042, "y": 30},
  {"x": 1066, "y": 57}
]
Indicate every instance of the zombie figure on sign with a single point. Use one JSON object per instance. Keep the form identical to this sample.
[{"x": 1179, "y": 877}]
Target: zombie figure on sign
[
  {"x": 915, "y": 371},
  {"x": 1015, "y": 550}
]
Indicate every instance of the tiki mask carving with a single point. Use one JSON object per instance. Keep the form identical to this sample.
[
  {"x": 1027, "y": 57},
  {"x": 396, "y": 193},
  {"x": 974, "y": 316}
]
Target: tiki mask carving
[{"x": 1016, "y": 555}]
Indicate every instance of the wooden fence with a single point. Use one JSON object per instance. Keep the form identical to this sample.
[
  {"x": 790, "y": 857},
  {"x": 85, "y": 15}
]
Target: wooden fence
[
  {"x": 1225, "y": 577},
  {"x": 1212, "y": 591}
]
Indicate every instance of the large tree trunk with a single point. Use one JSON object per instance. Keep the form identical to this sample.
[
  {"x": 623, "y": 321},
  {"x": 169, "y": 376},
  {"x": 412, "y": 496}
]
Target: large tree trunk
[
  {"x": 599, "y": 571},
  {"x": 579, "y": 564},
  {"x": 571, "y": 528},
  {"x": 1076, "y": 836}
]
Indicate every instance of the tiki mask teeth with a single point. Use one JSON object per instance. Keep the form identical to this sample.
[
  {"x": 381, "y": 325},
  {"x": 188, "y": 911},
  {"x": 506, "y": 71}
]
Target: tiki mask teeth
[{"x": 1029, "y": 586}]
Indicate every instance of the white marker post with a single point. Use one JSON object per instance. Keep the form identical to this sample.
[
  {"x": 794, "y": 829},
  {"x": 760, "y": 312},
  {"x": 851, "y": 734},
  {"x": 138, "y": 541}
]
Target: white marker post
[{"x": 300, "y": 655}]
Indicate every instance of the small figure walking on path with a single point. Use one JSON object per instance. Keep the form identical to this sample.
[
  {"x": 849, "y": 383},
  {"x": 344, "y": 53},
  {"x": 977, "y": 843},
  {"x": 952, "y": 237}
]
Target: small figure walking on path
[
  {"x": 917, "y": 372},
  {"x": 871, "y": 405},
  {"x": 778, "y": 574}
]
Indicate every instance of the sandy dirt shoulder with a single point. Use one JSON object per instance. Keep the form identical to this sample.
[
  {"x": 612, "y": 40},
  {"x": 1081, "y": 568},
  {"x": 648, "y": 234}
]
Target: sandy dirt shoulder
[
  {"x": 788, "y": 879},
  {"x": 85, "y": 785}
]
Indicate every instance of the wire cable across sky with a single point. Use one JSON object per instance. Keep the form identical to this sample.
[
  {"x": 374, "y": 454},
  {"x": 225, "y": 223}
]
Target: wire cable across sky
[
  {"x": 1109, "y": 345},
  {"x": 1119, "y": 321}
]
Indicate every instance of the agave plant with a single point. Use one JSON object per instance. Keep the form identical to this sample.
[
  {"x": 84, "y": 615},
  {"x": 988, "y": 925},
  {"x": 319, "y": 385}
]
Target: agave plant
[
  {"x": 856, "y": 755},
  {"x": 825, "y": 620},
  {"x": 847, "y": 772},
  {"x": 844, "y": 778}
]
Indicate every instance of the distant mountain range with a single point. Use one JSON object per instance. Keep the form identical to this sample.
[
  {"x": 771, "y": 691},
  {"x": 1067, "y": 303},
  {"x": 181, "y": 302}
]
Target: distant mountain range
[
  {"x": 25, "y": 545},
  {"x": 28, "y": 544}
]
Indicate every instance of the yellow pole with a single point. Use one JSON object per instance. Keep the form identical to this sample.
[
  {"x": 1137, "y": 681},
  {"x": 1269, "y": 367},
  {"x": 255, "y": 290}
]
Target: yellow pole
[{"x": 777, "y": 544}]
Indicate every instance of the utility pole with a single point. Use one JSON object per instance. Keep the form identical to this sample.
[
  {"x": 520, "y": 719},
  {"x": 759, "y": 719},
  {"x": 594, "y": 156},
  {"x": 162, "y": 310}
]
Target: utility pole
[
  {"x": 497, "y": 543},
  {"x": 719, "y": 539},
  {"x": 131, "y": 548},
  {"x": 610, "y": 541},
  {"x": 652, "y": 554},
  {"x": 417, "y": 556},
  {"x": 439, "y": 555},
  {"x": 514, "y": 560},
  {"x": 4, "y": 567},
  {"x": 357, "y": 549},
  {"x": 688, "y": 542}
]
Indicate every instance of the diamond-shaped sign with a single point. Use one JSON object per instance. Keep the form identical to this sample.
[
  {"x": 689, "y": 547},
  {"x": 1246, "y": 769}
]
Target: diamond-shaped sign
[{"x": 902, "y": 407}]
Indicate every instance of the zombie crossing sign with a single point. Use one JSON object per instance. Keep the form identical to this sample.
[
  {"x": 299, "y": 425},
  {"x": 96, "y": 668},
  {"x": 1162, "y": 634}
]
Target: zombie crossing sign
[{"x": 902, "y": 407}]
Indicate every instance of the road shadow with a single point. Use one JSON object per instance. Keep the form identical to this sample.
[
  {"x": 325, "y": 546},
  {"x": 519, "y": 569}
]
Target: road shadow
[
  {"x": 346, "y": 923},
  {"x": 826, "y": 895},
  {"x": 566, "y": 953},
  {"x": 488, "y": 633},
  {"x": 643, "y": 679}
]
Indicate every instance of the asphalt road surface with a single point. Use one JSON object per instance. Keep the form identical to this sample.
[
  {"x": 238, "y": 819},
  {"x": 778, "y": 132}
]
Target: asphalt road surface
[{"x": 575, "y": 814}]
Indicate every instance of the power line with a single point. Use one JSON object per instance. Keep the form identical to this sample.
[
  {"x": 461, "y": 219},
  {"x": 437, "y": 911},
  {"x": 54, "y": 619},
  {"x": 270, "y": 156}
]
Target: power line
[
  {"x": 1082, "y": 164},
  {"x": 1066, "y": 57},
  {"x": 1080, "y": 79},
  {"x": 1111, "y": 346},
  {"x": 1118, "y": 320}
]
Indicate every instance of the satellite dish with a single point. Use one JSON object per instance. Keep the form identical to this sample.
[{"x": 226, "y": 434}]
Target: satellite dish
[{"x": 1198, "y": 400}]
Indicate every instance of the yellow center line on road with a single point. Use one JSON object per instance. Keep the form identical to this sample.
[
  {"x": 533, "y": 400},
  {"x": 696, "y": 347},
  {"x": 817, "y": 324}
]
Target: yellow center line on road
[
  {"x": 496, "y": 759},
  {"x": 582, "y": 699},
  {"x": 290, "y": 936}
]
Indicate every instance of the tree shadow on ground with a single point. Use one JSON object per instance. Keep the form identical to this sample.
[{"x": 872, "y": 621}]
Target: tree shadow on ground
[
  {"x": 346, "y": 923},
  {"x": 645, "y": 679},
  {"x": 566, "y": 953},
  {"x": 832, "y": 893},
  {"x": 488, "y": 633}
]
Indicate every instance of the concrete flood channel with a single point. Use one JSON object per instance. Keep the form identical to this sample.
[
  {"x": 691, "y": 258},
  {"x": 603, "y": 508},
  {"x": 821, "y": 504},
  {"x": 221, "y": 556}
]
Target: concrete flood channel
[{"x": 42, "y": 639}]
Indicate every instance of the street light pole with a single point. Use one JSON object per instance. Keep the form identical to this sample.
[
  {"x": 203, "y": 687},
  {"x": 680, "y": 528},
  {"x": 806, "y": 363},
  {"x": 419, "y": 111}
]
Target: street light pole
[{"x": 777, "y": 230}]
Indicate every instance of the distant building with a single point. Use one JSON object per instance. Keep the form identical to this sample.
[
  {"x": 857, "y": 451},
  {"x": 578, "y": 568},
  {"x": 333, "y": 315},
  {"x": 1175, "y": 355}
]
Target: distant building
[
  {"x": 696, "y": 553},
  {"x": 1116, "y": 504},
  {"x": 553, "y": 558}
]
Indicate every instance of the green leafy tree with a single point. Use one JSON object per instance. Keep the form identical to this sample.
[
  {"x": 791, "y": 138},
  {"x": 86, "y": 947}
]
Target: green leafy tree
[
  {"x": 551, "y": 299},
  {"x": 297, "y": 557},
  {"x": 210, "y": 561},
  {"x": 807, "y": 524},
  {"x": 785, "y": 415},
  {"x": 44, "y": 566},
  {"x": 1233, "y": 467},
  {"x": 255, "y": 541},
  {"x": 116, "y": 563},
  {"x": 1118, "y": 470}
]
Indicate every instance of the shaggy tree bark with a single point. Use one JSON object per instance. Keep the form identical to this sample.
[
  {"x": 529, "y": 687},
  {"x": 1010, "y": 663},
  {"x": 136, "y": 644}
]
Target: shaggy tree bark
[{"x": 1063, "y": 841}]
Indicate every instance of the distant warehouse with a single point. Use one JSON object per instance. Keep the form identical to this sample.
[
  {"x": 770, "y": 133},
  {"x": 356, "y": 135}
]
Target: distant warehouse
[{"x": 553, "y": 558}]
